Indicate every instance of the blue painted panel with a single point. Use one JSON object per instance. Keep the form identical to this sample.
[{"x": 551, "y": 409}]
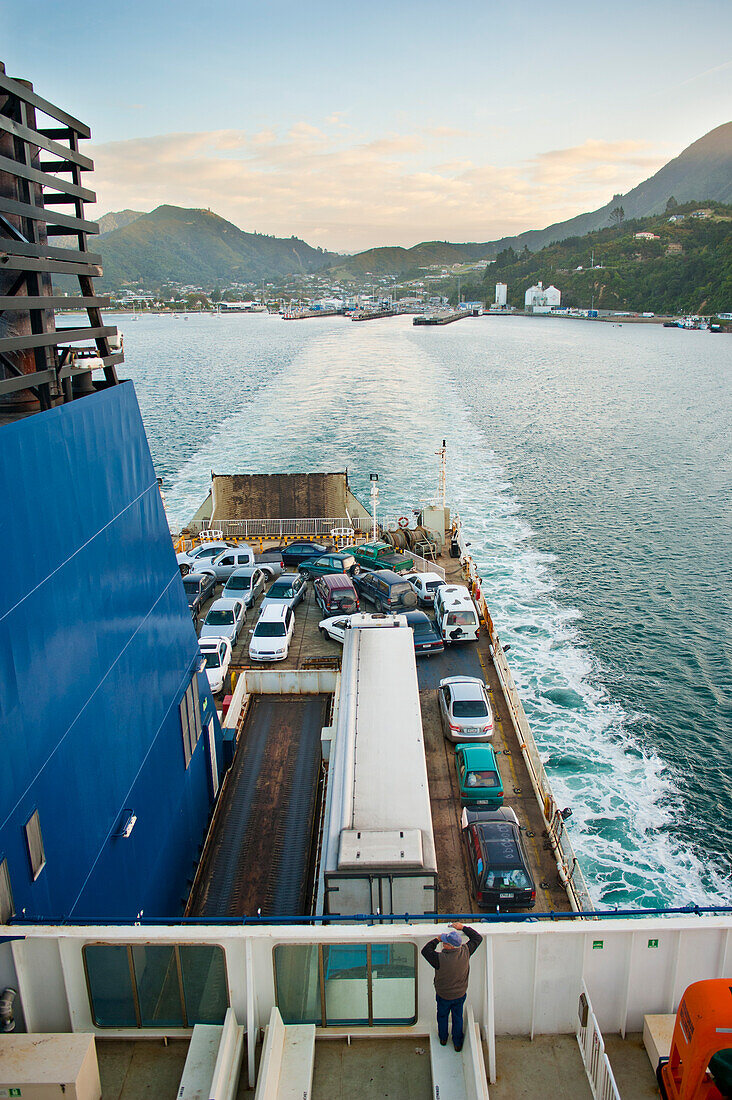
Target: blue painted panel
[{"x": 97, "y": 649}]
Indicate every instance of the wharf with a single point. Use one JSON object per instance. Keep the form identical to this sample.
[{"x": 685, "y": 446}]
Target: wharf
[
  {"x": 471, "y": 659},
  {"x": 366, "y": 315},
  {"x": 307, "y": 314},
  {"x": 446, "y": 318}
]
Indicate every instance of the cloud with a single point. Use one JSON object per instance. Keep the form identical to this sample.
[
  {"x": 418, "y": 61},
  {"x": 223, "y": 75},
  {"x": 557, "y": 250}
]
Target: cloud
[{"x": 349, "y": 193}]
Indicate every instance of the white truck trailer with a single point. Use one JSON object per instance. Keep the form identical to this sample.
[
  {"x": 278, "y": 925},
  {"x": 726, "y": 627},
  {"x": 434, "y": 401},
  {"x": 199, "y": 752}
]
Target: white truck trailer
[{"x": 378, "y": 845}]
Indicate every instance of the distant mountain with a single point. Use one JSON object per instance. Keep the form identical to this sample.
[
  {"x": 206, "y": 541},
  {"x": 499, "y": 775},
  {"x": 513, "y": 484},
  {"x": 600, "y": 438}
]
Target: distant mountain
[
  {"x": 703, "y": 171},
  {"x": 198, "y": 248},
  {"x": 109, "y": 222}
]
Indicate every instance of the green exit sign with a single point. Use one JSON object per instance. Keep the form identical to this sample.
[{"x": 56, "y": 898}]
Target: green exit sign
[
  {"x": 597, "y": 945},
  {"x": 653, "y": 943}
]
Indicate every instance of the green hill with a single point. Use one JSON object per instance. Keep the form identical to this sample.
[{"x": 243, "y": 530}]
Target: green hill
[
  {"x": 688, "y": 269},
  {"x": 196, "y": 247}
]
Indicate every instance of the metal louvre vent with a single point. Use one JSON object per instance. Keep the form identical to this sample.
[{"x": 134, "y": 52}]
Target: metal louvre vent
[
  {"x": 7, "y": 909},
  {"x": 34, "y": 840}
]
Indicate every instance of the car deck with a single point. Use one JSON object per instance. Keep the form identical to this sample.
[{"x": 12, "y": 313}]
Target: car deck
[{"x": 310, "y": 649}]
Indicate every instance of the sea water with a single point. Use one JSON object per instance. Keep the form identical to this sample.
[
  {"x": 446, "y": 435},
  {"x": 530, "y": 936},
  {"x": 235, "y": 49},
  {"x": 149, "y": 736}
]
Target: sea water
[{"x": 591, "y": 465}]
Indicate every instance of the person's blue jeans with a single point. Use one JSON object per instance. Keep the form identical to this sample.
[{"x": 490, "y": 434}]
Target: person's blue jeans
[{"x": 444, "y": 1010}]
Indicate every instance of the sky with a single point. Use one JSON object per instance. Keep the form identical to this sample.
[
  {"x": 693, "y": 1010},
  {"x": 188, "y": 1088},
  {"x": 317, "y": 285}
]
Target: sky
[{"x": 358, "y": 125}]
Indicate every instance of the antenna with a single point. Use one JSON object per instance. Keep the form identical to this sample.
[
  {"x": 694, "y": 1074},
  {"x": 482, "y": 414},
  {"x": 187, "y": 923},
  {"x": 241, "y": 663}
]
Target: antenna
[{"x": 442, "y": 478}]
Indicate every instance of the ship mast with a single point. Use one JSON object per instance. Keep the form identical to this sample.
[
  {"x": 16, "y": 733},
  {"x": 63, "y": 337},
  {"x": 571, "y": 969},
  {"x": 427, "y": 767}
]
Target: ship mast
[{"x": 442, "y": 477}]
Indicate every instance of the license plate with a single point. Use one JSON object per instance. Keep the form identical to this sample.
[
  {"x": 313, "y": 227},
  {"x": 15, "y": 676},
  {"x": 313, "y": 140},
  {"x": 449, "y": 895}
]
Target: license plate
[{"x": 505, "y": 895}]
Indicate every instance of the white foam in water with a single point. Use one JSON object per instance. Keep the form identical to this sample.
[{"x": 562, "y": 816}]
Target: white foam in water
[{"x": 391, "y": 419}]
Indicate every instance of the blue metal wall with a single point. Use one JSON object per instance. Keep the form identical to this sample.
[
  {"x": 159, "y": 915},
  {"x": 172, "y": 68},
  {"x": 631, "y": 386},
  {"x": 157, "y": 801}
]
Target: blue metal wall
[{"x": 97, "y": 649}]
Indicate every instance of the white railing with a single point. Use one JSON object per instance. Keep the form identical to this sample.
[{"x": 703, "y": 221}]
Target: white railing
[
  {"x": 424, "y": 565},
  {"x": 592, "y": 1048},
  {"x": 567, "y": 864},
  {"x": 281, "y": 528}
]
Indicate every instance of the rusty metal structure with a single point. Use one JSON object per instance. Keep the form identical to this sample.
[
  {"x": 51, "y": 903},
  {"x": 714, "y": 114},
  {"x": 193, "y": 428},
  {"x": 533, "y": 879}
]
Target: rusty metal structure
[{"x": 41, "y": 198}]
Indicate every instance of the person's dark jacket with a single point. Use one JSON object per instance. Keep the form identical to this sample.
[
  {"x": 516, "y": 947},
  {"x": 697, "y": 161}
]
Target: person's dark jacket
[{"x": 452, "y": 967}]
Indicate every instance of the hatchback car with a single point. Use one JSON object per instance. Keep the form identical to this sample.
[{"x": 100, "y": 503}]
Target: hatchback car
[
  {"x": 425, "y": 585},
  {"x": 296, "y": 552},
  {"x": 335, "y": 628},
  {"x": 327, "y": 564},
  {"x": 191, "y": 560},
  {"x": 225, "y": 619},
  {"x": 271, "y": 637},
  {"x": 287, "y": 590},
  {"x": 499, "y": 867},
  {"x": 245, "y": 584},
  {"x": 387, "y": 591},
  {"x": 480, "y": 781},
  {"x": 426, "y": 638},
  {"x": 217, "y": 653},
  {"x": 465, "y": 709},
  {"x": 198, "y": 587},
  {"x": 336, "y": 595}
]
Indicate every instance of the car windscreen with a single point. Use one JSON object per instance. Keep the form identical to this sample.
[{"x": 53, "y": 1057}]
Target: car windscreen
[
  {"x": 461, "y": 618},
  {"x": 269, "y": 630},
  {"x": 482, "y": 779},
  {"x": 399, "y": 590},
  {"x": 280, "y": 592},
  {"x": 212, "y": 659},
  {"x": 192, "y": 588},
  {"x": 422, "y": 629},
  {"x": 239, "y": 583},
  {"x": 469, "y": 708},
  {"x": 432, "y": 586},
  {"x": 219, "y": 618}
]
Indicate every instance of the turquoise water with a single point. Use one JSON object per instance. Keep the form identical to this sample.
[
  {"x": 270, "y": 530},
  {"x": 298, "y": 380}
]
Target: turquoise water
[{"x": 591, "y": 465}]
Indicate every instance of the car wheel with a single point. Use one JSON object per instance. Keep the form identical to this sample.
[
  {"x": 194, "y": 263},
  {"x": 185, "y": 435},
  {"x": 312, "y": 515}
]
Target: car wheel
[
  {"x": 324, "y": 632},
  {"x": 355, "y": 570},
  {"x": 184, "y": 569},
  {"x": 306, "y": 575}
]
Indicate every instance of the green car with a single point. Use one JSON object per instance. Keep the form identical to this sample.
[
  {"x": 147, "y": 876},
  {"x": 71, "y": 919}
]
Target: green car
[
  {"x": 328, "y": 564},
  {"x": 380, "y": 555},
  {"x": 480, "y": 782}
]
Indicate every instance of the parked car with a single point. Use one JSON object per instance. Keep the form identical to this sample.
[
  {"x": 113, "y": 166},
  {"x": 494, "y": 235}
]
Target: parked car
[
  {"x": 217, "y": 652},
  {"x": 335, "y": 628},
  {"x": 499, "y": 867},
  {"x": 465, "y": 709},
  {"x": 198, "y": 587},
  {"x": 456, "y": 614},
  {"x": 247, "y": 584},
  {"x": 380, "y": 555},
  {"x": 336, "y": 595},
  {"x": 296, "y": 552},
  {"x": 288, "y": 589},
  {"x": 224, "y": 564},
  {"x": 341, "y": 562},
  {"x": 271, "y": 637},
  {"x": 425, "y": 585},
  {"x": 225, "y": 619},
  {"x": 191, "y": 560},
  {"x": 426, "y": 638},
  {"x": 480, "y": 782},
  {"x": 270, "y": 562},
  {"x": 387, "y": 591}
]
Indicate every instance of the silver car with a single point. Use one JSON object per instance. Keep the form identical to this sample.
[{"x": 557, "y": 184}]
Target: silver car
[
  {"x": 225, "y": 619},
  {"x": 465, "y": 709},
  {"x": 245, "y": 584},
  {"x": 235, "y": 558},
  {"x": 288, "y": 589}
]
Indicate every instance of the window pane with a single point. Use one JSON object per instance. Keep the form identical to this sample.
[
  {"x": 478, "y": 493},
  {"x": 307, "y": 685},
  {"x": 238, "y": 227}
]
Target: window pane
[
  {"x": 204, "y": 983},
  {"x": 298, "y": 983},
  {"x": 394, "y": 989},
  {"x": 346, "y": 984},
  {"x": 158, "y": 991},
  {"x": 110, "y": 985}
]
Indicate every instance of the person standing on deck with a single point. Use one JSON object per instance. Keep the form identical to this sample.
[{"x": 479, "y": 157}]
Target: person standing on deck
[{"x": 452, "y": 970}]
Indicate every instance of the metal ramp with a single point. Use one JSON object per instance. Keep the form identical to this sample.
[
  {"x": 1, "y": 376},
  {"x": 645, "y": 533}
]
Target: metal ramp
[{"x": 459, "y": 1076}]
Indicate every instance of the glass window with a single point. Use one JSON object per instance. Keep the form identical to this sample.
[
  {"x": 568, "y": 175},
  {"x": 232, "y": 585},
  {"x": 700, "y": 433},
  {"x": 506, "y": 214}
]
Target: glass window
[
  {"x": 393, "y": 983},
  {"x": 345, "y": 973},
  {"x": 34, "y": 839},
  {"x": 158, "y": 988},
  {"x": 297, "y": 980},
  {"x": 110, "y": 985},
  {"x": 469, "y": 708},
  {"x": 483, "y": 779},
  {"x": 7, "y": 908},
  {"x": 461, "y": 618},
  {"x": 205, "y": 990},
  {"x": 507, "y": 876}
]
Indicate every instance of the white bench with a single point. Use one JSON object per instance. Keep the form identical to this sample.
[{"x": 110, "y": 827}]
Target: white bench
[
  {"x": 288, "y": 1057},
  {"x": 459, "y": 1076},
  {"x": 213, "y": 1062}
]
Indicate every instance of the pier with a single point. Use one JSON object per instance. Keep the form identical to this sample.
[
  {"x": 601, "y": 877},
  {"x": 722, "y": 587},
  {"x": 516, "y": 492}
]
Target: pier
[{"x": 445, "y": 318}]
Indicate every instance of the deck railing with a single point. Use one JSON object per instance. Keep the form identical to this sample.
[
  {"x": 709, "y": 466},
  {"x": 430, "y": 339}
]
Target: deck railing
[
  {"x": 567, "y": 864},
  {"x": 281, "y": 528},
  {"x": 592, "y": 1048}
]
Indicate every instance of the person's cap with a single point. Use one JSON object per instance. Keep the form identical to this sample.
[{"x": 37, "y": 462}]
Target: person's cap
[{"x": 454, "y": 939}]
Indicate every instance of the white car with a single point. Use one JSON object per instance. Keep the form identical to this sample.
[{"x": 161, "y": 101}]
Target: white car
[
  {"x": 336, "y": 627},
  {"x": 465, "y": 709},
  {"x": 191, "y": 561},
  {"x": 217, "y": 652},
  {"x": 225, "y": 619},
  {"x": 271, "y": 637},
  {"x": 425, "y": 585}
]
